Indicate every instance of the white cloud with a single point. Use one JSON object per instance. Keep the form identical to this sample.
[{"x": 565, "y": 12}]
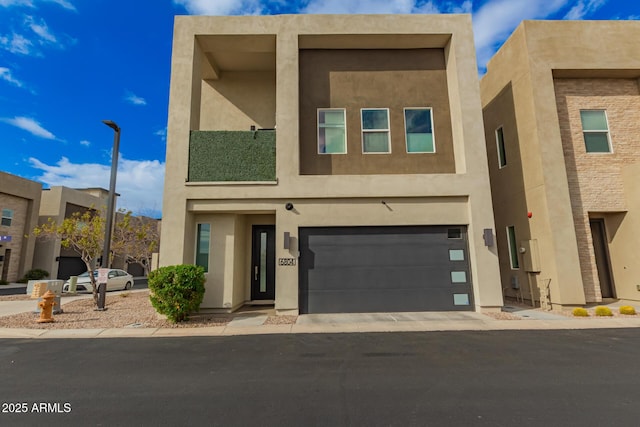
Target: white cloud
[
  {"x": 496, "y": 20},
  {"x": 221, "y": 7},
  {"x": 162, "y": 133},
  {"x": 360, "y": 6},
  {"x": 64, "y": 3},
  {"x": 41, "y": 29},
  {"x": 583, "y": 8},
  {"x": 139, "y": 182},
  {"x": 135, "y": 100},
  {"x": 5, "y": 74},
  {"x": 30, "y": 125},
  {"x": 85, "y": 143},
  {"x": 29, "y": 3},
  {"x": 256, "y": 7},
  {"x": 16, "y": 43},
  {"x": 7, "y": 3}
]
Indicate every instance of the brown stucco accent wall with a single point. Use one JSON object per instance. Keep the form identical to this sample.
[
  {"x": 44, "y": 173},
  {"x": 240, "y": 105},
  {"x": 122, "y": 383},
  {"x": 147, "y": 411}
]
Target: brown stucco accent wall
[
  {"x": 381, "y": 78},
  {"x": 508, "y": 190}
]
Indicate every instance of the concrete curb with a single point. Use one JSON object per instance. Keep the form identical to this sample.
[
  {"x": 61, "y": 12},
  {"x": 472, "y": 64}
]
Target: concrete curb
[{"x": 325, "y": 328}]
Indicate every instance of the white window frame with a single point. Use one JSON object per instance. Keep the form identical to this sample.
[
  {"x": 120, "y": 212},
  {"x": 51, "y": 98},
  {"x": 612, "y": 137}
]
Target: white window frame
[
  {"x": 344, "y": 115},
  {"x": 9, "y": 217},
  {"x": 513, "y": 249},
  {"x": 607, "y": 131},
  {"x": 406, "y": 136},
  {"x": 197, "y": 244},
  {"x": 502, "y": 161},
  {"x": 387, "y": 130}
]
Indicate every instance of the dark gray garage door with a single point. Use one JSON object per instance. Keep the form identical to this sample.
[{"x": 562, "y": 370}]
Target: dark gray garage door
[
  {"x": 70, "y": 266},
  {"x": 384, "y": 269}
]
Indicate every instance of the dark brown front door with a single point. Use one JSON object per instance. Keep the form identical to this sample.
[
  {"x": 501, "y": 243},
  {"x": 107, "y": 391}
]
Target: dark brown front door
[
  {"x": 263, "y": 263},
  {"x": 5, "y": 264},
  {"x": 603, "y": 264}
]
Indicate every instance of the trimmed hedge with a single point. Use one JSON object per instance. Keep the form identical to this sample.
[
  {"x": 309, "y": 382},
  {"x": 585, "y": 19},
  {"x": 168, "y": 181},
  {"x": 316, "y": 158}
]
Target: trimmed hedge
[
  {"x": 232, "y": 156},
  {"x": 177, "y": 290},
  {"x": 628, "y": 310},
  {"x": 35, "y": 274},
  {"x": 580, "y": 312},
  {"x": 603, "y": 311}
]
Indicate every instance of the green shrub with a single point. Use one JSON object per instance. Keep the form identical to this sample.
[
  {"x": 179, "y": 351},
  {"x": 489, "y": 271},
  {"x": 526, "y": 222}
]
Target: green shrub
[
  {"x": 35, "y": 274},
  {"x": 580, "y": 312},
  {"x": 603, "y": 311},
  {"x": 627, "y": 309},
  {"x": 3, "y": 282},
  {"x": 177, "y": 290}
]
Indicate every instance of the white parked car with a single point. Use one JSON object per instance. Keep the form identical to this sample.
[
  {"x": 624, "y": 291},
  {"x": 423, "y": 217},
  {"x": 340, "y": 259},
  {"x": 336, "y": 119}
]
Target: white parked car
[{"x": 116, "y": 280}]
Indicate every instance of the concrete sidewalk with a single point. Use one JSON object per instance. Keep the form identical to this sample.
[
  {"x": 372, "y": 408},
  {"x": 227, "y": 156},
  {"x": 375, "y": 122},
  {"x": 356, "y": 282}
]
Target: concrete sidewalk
[
  {"x": 246, "y": 323},
  {"x": 341, "y": 323}
]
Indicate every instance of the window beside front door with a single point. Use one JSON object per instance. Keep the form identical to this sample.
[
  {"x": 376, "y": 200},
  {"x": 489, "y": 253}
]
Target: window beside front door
[
  {"x": 332, "y": 135},
  {"x": 375, "y": 130},
  {"x": 203, "y": 236},
  {"x": 596, "y": 131},
  {"x": 513, "y": 248},
  {"x": 418, "y": 127}
]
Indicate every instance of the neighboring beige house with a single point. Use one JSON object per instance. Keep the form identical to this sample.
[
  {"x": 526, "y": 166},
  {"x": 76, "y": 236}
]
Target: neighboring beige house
[
  {"x": 561, "y": 109},
  {"x": 19, "y": 205},
  {"x": 372, "y": 194},
  {"x": 59, "y": 203}
]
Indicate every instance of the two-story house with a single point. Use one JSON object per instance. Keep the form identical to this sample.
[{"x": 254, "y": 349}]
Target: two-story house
[
  {"x": 329, "y": 163},
  {"x": 561, "y": 105},
  {"x": 19, "y": 206}
]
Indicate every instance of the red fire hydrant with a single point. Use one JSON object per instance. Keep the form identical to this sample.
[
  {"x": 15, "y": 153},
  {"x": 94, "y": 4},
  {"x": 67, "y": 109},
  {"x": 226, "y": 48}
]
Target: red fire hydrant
[{"x": 46, "y": 306}]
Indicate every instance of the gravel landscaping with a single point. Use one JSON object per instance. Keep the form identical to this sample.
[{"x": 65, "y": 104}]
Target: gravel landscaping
[{"x": 124, "y": 310}]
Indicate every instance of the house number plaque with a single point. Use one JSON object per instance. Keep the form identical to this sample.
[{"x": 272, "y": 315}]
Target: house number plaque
[{"x": 287, "y": 261}]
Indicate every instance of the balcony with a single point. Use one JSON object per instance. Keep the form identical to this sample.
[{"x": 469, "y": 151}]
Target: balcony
[{"x": 219, "y": 156}]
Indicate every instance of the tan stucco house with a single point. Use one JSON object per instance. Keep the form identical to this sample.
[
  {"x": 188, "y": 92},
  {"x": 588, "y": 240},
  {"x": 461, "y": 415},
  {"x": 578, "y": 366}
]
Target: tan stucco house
[
  {"x": 328, "y": 163},
  {"x": 58, "y": 203},
  {"x": 561, "y": 106},
  {"x": 19, "y": 206}
]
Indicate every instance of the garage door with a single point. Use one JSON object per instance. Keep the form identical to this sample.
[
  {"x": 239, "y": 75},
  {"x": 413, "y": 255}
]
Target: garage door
[
  {"x": 70, "y": 266},
  {"x": 384, "y": 269}
]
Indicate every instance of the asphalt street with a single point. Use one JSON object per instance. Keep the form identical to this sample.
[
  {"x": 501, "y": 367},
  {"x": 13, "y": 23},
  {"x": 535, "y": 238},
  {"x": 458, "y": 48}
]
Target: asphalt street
[{"x": 503, "y": 378}]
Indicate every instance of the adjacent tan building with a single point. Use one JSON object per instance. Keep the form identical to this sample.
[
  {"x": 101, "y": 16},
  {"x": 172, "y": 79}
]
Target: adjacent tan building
[
  {"x": 58, "y": 203},
  {"x": 19, "y": 205},
  {"x": 327, "y": 163},
  {"x": 561, "y": 105}
]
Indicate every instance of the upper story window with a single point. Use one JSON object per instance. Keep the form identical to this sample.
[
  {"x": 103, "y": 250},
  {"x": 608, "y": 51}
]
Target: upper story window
[
  {"x": 502, "y": 154},
  {"x": 375, "y": 130},
  {"x": 7, "y": 217},
  {"x": 596, "y": 131},
  {"x": 418, "y": 126},
  {"x": 332, "y": 136}
]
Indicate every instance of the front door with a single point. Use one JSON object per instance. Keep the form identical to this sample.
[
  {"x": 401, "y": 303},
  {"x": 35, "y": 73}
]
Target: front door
[
  {"x": 602, "y": 258},
  {"x": 263, "y": 263}
]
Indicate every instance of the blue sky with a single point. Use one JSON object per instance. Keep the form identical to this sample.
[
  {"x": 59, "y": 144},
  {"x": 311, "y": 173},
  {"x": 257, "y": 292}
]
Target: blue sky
[{"x": 66, "y": 65}]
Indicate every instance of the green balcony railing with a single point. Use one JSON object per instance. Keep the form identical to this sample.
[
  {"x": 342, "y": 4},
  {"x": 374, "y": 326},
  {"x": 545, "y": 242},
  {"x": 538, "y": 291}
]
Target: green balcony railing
[{"x": 232, "y": 156}]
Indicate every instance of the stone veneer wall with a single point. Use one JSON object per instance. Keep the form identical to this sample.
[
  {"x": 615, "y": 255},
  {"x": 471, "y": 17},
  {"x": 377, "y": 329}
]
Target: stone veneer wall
[
  {"x": 595, "y": 179},
  {"x": 16, "y": 230}
]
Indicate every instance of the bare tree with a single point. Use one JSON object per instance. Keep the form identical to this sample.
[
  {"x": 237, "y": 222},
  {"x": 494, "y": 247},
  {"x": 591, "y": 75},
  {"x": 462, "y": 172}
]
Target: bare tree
[
  {"x": 82, "y": 232},
  {"x": 137, "y": 238}
]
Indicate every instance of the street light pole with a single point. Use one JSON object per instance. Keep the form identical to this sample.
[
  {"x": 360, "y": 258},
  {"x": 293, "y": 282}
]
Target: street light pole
[{"x": 110, "y": 204}]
